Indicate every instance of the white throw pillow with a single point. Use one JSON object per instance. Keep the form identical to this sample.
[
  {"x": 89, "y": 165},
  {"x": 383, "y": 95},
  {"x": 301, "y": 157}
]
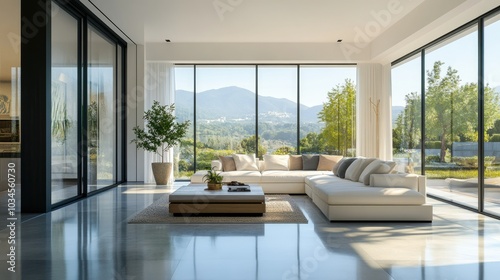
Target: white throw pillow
[
  {"x": 356, "y": 168},
  {"x": 276, "y": 162},
  {"x": 372, "y": 168},
  {"x": 376, "y": 167},
  {"x": 245, "y": 162}
]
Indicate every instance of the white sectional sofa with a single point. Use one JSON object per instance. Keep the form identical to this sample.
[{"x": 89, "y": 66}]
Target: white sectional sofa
[{"x": 387, "y": 197}]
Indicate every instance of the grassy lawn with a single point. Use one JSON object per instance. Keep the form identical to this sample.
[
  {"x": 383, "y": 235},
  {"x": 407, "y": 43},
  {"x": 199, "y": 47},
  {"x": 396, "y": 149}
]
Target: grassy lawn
[{"x": 460, "y": 174}]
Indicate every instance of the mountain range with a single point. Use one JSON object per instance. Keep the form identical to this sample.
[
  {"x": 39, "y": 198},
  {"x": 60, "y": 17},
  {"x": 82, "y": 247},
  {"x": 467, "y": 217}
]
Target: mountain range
[{"x": 235, "y": 103}]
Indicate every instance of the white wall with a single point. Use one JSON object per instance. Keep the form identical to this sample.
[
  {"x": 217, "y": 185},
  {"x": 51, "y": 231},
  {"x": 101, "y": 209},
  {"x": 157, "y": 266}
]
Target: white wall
[
  {"x": 254, "y": 53},
  {"x": 135, "y": 110}
]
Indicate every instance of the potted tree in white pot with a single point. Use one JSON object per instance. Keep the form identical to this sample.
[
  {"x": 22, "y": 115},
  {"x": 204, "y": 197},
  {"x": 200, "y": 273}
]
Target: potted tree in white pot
[{"x": 161, "y": 133}]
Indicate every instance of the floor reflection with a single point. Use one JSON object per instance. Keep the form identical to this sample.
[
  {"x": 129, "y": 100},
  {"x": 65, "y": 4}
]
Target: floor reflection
[{"x": 91, "y": 239}]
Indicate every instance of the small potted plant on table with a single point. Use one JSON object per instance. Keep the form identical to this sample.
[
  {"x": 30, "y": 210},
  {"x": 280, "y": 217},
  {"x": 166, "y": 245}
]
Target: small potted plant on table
[{"x": 213, "y": 180}]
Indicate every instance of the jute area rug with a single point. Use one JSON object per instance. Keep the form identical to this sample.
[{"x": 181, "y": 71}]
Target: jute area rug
[{"x": 279, "y": 209}]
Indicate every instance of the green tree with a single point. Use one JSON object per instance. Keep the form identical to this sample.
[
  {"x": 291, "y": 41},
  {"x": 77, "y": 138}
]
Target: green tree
[
  {"x": 491, "y": 110},
  {"x": 285, "y": 150},
  {"x": 248, "y": 146},
  {"x": 452, "y": 110},
  {"x": 442, "y": 101},
  {"x": 406, "y": 132},
  {"x": 339, "y": 116},
  {"x": 312, "y": 143}
]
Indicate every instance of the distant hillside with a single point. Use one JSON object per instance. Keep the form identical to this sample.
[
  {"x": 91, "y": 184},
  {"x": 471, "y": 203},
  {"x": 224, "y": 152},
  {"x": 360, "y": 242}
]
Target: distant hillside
[
  {"x": 232, "y": 103},
  {"x": 239, "y": 103}
]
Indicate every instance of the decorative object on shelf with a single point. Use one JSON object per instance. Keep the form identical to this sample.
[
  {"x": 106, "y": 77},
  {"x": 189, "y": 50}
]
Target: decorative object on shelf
[
  {"x": 213, "y": 180},
  {"x": 162, "y": 133}
]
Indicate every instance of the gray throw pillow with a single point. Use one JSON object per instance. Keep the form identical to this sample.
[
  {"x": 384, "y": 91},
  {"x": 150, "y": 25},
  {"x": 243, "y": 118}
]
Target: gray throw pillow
[
  {"x": 343, "y": 167},
  {"x": 335, "y": 168},
  {"x": 310, "y": 162}
]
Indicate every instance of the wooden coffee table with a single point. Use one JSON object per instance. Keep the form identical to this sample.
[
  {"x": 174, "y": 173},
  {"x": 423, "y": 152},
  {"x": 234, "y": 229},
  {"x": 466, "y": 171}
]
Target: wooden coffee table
[{"x": 194, "y": 199}]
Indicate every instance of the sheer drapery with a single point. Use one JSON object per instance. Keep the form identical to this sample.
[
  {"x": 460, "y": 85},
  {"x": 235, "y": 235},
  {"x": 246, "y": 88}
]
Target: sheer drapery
[
  {"x": 373, "y": 137},
  {"x": 159, "y": 86}
]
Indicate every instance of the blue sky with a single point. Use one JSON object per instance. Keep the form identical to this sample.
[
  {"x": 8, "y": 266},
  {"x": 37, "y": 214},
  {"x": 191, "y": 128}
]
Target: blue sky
[
  {"x": 276, "y": 81},
  {"x": 461, "y": 53}
]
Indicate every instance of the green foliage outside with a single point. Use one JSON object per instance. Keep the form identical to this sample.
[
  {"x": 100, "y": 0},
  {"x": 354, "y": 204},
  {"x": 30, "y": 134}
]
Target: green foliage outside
[
  {"x": 460, "y": 173},
  {"x": 339, "y": 116},
  {"x": 451, "y": 113},
  {"x": 433, "y": 145},
  {"x": 285, "y": 150},
  {"x": 495, "y": 138}
]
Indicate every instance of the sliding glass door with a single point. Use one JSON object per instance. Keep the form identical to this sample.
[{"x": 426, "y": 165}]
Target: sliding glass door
[
  {"x": 101, "y": 110},
  {"x": 451, "y": 118},
  {"x": 492, "y": 115},
  {"x": 64, "y": 95},
  {"x": 459, "y": 135},
  {"x": 87, "y": 119}
]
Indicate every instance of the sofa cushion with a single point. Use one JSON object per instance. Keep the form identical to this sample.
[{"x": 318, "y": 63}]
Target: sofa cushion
[
  {"x": 343, "y": 167},
  {"x": 327, "y": 162},
  {"x": 344, "y": 192},
  {"x": 278, "y": 176},
  {"x": 322, "y": 179},
  {"x": 295, "y": 162},
  {"x": 227, "y": 163},
  {"x": 409, "y": 181},
  {"x": 356, "y": 168},
  {"x": 276, "y": 162},
  {"x": 375, "y": 167},
  {"x": 310, "y": 162},
  {"x": 245, "y": 162},
  {"x": 216, "y": 165},
  {"x": 248, "y": 177}
]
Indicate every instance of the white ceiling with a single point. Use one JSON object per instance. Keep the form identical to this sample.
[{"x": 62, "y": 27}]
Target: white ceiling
[
  {"x": 258, "y": 21},
  {"x": 253, "y": 20}
]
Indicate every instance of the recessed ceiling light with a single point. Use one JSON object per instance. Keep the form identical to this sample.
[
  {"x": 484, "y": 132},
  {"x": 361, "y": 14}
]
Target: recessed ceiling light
[
  {"x": 339, "y": 41},
  {"x": 167, "y": 40}
]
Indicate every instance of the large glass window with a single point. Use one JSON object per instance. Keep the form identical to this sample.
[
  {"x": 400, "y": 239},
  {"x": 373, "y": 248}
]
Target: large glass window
[
  {"x": 229, "y": 117},
  {"x": 277, "y": 109},
  {"x": 184, "y": 110},
  {"x": 328, "y": 110},
  {"x": 64, "y": 95},
  {"x": 101, "y": 110},
  {"x": 406, "y": 115},
  {"x": 492, "y": 115},
  {"x": 451, "y": 118},
  {"x": 225, "y": 112}
]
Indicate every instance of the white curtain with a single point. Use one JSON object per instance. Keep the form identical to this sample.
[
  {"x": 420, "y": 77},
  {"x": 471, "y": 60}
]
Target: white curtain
[
  {"x": 159, "y": 86},
  {"x": 373, "y": 133}
]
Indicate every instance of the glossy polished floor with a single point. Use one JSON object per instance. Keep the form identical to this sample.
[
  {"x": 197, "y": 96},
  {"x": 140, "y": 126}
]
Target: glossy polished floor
[{"x": 91, "y": 239}]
